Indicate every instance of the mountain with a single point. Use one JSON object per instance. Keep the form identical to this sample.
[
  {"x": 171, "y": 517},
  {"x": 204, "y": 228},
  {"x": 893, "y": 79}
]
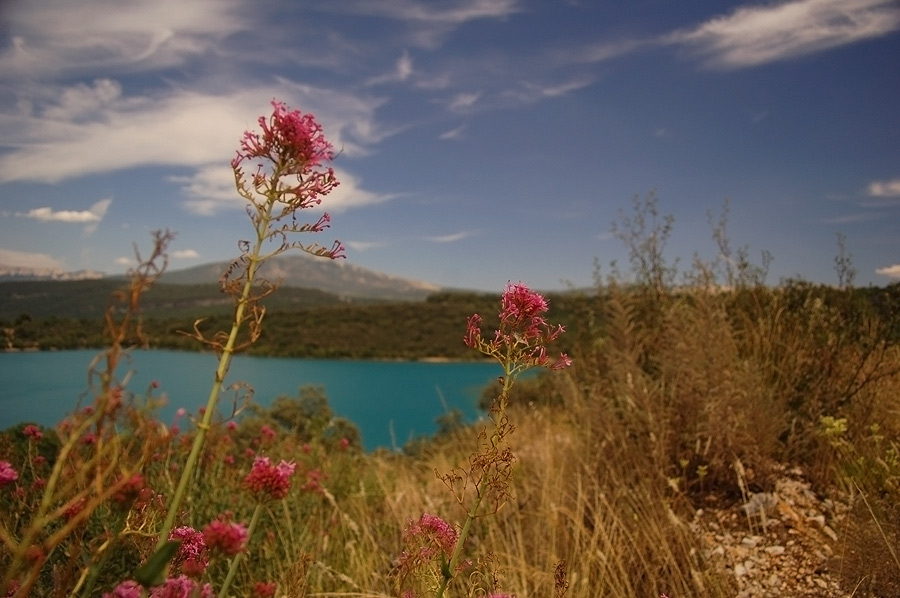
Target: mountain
[
  {"x": 11, "y": 273},
  {"x": 304, "y": 271}
]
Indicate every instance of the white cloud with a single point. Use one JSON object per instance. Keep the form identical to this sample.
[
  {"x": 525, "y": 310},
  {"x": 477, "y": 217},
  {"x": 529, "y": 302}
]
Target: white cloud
[
  {"x": 364, "y": 245},
  {"x": 125, "y": 261},
  {"x": 210, "y": 190},
  {"x": 451, "y": 238},
  {"x": 45, "y": 214},
  {"x": 532, "y": 92},
  {"x": 890, "y": 271},
  {"x": 185, "y": 254},
  {"x": 885, "y": 188},
  {"x": 463, "y": 101},
  {"x": 403, "y": 70},
  {"x": 91, "y": 130},
  {"x": 52, "y": 37},
  {"x": 770, "y": 33},
  {"x": 24, "y": 259},
  {"x": 453, "y": 133}
]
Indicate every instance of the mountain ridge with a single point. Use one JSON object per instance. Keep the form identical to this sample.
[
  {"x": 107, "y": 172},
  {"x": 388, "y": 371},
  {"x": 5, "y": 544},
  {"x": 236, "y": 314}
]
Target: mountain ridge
[{"x": 335, "y": 277}]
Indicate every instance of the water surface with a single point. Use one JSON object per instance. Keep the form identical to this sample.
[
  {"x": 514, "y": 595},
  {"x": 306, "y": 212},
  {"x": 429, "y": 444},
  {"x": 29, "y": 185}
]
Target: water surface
[{"x": 389, "y": 401}]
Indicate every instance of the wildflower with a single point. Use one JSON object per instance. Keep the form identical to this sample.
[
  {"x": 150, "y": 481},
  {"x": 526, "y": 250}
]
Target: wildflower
[
  {"x": 289, "y": 156},
  {"x": 224, "y": 535},
  {"x": 268, "y": 435},
  {"x": 314, "y": 479},
  {"x": 437, "y": 530},
  {"x": 130, "y": 490},
  {"x": 32, "y": 432},
  {"x": 263, "y": 589},
  {"x": 73, "y": 509},
  {"x": 291, "y": 137},
  {"x": 192, "y": 555},
  {"x": 269, "y": 480},
  {"x": 182, "y": 587},
  {"x": 126, "y": 589},
  {"x": 8, "y": 474},
  {"x": 427, "y": 539},
  {"x": 523, "y": 335}
]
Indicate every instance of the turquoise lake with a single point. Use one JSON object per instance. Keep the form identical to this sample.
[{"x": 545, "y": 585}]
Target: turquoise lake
[{"x": 391, "y": 402}]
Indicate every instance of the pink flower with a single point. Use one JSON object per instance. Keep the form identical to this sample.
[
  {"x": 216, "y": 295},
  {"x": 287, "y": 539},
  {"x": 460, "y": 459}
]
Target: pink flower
[
  {"x": 224, "y": 535},
  {"x": 126, "y": 589},
  {"x": 288, "y": 155},
  {"x": 292, "y": 134},
  {"x": 182, "y": 587},
  {"x": 32, "y": 432},
  {"x": 268, "y": 434},
  {"x": 131, "y": 490},
  {"x": 262, "y": 589},
  {"x": 8, "y": 474},
  {"x": 192, "y": 555},
  {"x": 523, "y": 334},
  {"x": 427, "y": 534},
  {"x": 269, "y": 480}
]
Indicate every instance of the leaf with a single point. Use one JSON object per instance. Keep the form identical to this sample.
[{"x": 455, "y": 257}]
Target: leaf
[{"x": 153, "y": 572}]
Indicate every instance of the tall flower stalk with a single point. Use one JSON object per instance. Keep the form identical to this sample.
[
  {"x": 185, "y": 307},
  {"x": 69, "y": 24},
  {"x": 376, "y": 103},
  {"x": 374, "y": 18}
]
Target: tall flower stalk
[
  {"x": 519, "y": 344},
  {"x": 287, "y": 156}
]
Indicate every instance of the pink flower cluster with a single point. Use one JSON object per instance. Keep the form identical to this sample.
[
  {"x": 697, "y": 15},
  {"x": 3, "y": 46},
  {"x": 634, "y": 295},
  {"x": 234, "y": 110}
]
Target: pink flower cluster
[
  {"x": 177, "y": 587},
  {"x": 8, "y": 473},
  {"x": 288, "y": 135},
  {"x": 268, "y": 480},
  {"x": 426, "y": 539},
  {"x": 33, "y": 432},
  {"x": 294, "y": 144},
  {"x": 524, "y": 332},
  {"x": 225, "y": 535},
  {"x": 193, "y": 555}
]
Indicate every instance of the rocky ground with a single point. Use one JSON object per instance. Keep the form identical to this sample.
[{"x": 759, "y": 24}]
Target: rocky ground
[{"x": 781, "y": 543}]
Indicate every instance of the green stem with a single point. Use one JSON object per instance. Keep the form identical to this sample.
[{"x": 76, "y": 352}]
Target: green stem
[
  {"x": 221, "y": 371},
  {"x": 233, "y": 567},
  {"x": 509, "y": 378}
]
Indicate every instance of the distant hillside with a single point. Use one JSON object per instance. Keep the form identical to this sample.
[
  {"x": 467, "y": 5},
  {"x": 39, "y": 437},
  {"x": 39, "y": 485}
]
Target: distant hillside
[
  {"x": 14, "y": 273},
  {"x": 304, "y": 282},
  {"x": 331, "y": 276}
]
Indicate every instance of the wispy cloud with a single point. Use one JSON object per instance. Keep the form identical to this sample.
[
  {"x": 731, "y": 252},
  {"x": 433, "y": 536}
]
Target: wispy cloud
[
  {"x": 428, "y": 23},
  {"x": 403, "y": 69},
  {"x": 185, "y": 254},
  {"x": 451, "y": 238},
  {"x": 890, "y": 271},
  {"x": 532, "y": 92},
  {"x": 64, "y": 37},
  {"x": 210, "y": 190},
  {"x": 463, "y": 101},
  {"x": 91, "y": 216},
  {"x": 769, "y": 33},
  {"x": 364, "y": 245},
  {"x": 453, "y": 134},
  {"x": 889, "y": 188},
  {"x": 25, "y": 259}
]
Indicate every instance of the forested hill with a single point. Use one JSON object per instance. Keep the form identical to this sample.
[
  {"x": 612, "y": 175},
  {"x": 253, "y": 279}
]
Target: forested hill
[{"x": 309, "y": 323}]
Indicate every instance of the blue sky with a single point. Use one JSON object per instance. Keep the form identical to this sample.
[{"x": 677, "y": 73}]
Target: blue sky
[{"x": 481, "y": 141}]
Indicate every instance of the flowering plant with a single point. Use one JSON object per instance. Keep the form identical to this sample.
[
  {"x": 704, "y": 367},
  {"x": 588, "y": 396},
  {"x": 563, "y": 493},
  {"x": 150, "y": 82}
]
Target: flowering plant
[
  {"x": 519, "y": 344},
  {"x": 289, "y": 153}
]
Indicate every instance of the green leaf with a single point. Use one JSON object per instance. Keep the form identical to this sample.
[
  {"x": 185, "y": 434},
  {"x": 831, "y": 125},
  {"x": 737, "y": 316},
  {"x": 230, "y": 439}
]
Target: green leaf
[{"x": 153, "y": 572}]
